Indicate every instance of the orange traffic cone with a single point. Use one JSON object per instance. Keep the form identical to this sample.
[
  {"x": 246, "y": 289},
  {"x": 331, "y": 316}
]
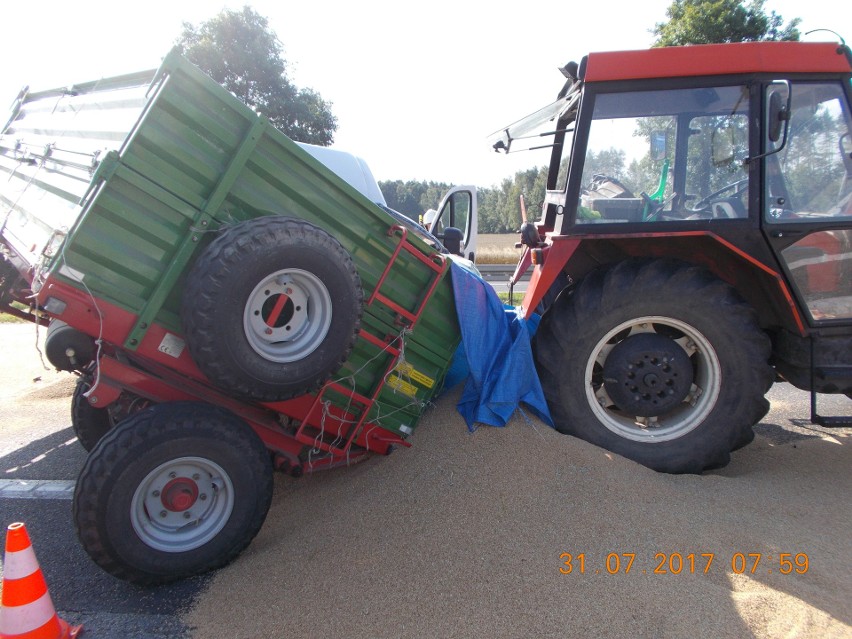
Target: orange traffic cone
[{"x": 27, "y": 610}]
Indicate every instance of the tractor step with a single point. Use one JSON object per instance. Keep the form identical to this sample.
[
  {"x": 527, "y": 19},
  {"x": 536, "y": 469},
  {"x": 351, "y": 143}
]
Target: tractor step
[{"x": 836, "y": 421}]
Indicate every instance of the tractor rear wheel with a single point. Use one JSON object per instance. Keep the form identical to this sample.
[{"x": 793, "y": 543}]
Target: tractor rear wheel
[{"x": 658, "y": 361}]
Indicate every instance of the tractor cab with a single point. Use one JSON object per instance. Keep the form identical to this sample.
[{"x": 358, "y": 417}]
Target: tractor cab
[{"x": 734, "y": 159}]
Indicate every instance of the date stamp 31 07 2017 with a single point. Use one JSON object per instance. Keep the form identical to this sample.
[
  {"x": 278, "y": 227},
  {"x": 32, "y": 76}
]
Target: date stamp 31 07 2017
[{"x": 677, "y": 563}]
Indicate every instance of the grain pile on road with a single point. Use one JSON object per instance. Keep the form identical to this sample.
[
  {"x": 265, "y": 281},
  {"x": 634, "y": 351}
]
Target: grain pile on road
[{"x": 461, "y": 536}]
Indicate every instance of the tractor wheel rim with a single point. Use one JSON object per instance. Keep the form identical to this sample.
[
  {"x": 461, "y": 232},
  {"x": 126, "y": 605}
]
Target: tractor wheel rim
[
  {"x": 182, "y": 504},
  {"x": 287, "y": 315},
  {"x": 675, "y": 422}
]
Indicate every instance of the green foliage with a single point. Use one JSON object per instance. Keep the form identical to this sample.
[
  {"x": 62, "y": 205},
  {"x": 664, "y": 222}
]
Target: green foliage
[
  {"x": 813, "y": 173},
  {"x": 501, "y": 209},
  {"x": 240, "y": 52},
  {"x": 606, "y": 162},
  {"x": 413, "y": 198},
  {"x": 720, "y": 21}
]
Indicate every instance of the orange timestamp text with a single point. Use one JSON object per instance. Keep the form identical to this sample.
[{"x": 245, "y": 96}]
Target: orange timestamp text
[{"x": 676, "y": 563}]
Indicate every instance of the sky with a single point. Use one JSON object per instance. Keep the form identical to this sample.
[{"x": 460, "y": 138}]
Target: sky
[{"x": 417, "y": 87}]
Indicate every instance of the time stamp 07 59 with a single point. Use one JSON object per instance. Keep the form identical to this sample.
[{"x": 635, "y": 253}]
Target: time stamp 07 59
[{"x": 676, "y": 563}]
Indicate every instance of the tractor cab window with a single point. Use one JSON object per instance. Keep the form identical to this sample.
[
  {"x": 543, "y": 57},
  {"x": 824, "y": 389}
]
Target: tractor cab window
[
  {"x": 808, "y": 193},
  {"x": 668, "y": 155},
  {"x": 809, "y": 171}
]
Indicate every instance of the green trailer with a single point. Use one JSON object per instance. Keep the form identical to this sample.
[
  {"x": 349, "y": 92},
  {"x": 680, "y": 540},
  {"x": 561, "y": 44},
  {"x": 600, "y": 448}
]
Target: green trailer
[{"x": 222, "y": 294}]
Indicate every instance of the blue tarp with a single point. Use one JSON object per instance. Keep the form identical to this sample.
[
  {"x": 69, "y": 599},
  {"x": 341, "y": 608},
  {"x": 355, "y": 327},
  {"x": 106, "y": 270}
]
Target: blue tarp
[{"x": 494, "y": 356}]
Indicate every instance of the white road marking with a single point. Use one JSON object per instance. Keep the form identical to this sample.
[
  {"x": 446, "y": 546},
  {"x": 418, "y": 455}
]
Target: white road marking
[{"x": 37, "y": 488}]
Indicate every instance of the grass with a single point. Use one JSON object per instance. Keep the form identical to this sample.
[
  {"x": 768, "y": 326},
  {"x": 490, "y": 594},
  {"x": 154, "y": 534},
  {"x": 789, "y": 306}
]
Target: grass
[
  {"x": 497, "y": 248},
  {"x": 5, "y": 318}
]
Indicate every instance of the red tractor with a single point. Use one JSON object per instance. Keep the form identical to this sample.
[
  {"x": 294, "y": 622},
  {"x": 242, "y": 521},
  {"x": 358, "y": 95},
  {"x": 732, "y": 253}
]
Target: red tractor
[{"x": 694, "y": 245}]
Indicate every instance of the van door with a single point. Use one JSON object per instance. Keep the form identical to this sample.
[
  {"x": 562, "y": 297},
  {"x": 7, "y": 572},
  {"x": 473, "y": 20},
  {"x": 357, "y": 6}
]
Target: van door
[{"x": 458, "y": 210}]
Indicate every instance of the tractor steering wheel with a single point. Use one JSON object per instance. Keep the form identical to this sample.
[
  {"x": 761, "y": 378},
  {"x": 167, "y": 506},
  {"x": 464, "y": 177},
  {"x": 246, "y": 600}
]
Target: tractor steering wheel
[{"x": 737, "y": 187}]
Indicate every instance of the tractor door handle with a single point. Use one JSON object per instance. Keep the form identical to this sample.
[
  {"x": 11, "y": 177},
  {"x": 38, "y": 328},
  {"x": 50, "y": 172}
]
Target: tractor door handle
[{"x": 787, "y": 233}]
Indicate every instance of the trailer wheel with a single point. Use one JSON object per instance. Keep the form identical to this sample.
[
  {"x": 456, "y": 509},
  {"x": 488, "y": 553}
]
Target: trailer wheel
[
  {"x": 657, "y": 361},
  {"x": 173, "y": 491},
  {"x": 272, "y": 308},
  {"x": 90, "y": 424}
]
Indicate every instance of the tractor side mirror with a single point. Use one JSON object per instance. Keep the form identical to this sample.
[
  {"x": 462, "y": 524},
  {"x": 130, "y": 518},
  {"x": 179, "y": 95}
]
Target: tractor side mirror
[
  {"x": 777, "y": 118},
  {"x": 658, "y": 146},
  {"x": 778, "y": 113}
]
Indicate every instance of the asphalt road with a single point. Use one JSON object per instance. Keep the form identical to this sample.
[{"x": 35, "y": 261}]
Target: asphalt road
[{"x": 37, "y": 443}]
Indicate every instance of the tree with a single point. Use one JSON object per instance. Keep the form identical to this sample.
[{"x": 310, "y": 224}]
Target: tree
[
  {"x": 720, "y": 21},
  {"x": 608, "y": 162},
  {"x": 241, "y": 52}
]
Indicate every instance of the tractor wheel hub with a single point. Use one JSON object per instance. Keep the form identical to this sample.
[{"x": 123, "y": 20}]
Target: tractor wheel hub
[{"x": 647, "y": 375}]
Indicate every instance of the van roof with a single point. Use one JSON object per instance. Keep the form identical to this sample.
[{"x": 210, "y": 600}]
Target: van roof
[{"x": 350, "y": 168}]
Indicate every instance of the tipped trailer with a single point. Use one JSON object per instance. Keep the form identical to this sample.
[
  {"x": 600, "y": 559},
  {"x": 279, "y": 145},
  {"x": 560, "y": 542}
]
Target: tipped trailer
[{"x": 223, "y": 294}]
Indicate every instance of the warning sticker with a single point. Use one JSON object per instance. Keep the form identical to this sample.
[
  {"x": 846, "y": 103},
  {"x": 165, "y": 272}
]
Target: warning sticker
[
  {"x": 400, "y": 385},
  {"x": 407, "y": 370}
]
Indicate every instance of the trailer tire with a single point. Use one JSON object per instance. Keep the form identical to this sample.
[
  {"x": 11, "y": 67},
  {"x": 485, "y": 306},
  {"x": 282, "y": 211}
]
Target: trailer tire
[
  {"x": 658, "y": 361},
  {"x": 272, "y": 308},
  {"x": 90, "y": 424},
  {"x": 175, "y": 490}
]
